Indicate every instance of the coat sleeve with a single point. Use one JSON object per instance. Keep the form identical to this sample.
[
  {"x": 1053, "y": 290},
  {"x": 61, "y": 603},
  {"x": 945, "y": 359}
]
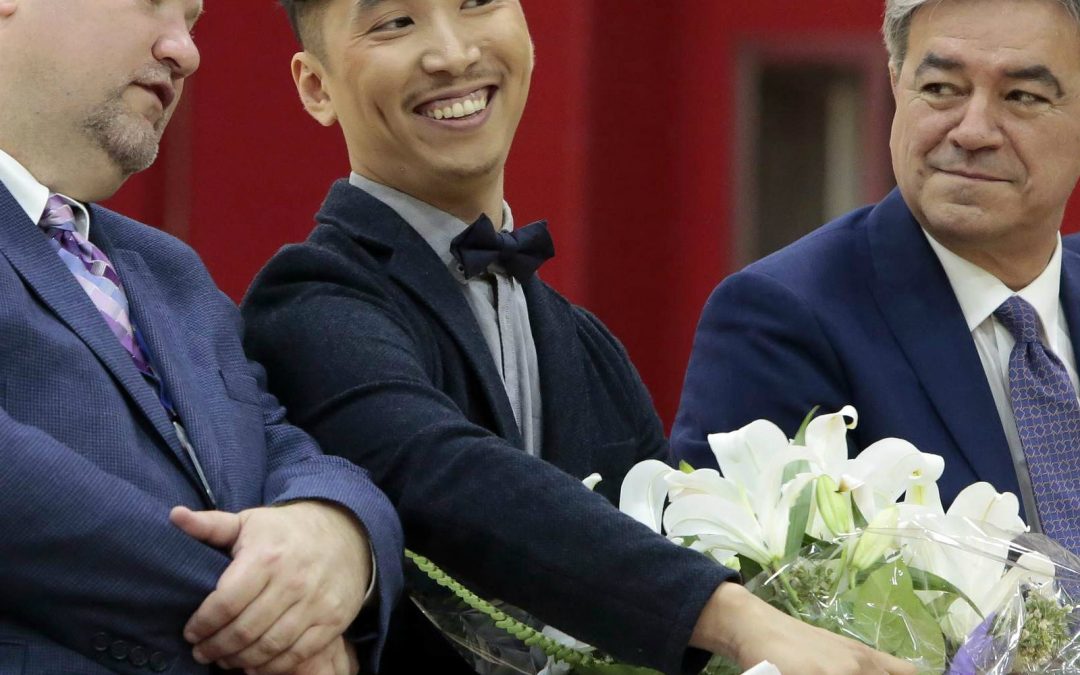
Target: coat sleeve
[
  {"x": 354, "y": 372},
  {"x": 298, "y": 470},
  {"x": 759, "y": 353},
  {"x": 88, "y": 559}
]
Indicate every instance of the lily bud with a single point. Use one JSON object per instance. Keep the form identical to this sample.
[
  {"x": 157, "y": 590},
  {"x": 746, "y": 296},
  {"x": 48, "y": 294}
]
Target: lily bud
[
  {"x": 873, "y": 544},
  {"x": 834, "y": 506}
]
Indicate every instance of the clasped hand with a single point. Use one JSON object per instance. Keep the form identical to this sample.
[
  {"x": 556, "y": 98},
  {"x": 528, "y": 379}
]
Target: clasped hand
[{"x": 297, "y": 580}]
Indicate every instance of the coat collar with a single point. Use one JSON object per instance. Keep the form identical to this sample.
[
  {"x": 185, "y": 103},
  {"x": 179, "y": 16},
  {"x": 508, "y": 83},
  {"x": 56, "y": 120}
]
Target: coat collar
[
  {"x": 410, "y": 261},
  {"x": 915, "y": 297},
  {"x": 46, "y": 276}
]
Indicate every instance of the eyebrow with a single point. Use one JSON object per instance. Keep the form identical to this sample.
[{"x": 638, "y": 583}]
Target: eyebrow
[{"x": 1038, "y": 73}]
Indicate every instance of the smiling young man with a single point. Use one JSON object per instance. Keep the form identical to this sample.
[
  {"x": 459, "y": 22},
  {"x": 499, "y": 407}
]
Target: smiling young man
[
  {"x": 948, "y": 314},
  {"x": 411, "y": 335},
  {"x": 126, "y": 398}
]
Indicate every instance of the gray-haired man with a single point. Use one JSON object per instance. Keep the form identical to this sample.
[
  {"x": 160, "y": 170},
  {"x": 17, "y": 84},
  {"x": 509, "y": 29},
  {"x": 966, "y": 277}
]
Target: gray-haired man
[{"x": 947, "y": 313}]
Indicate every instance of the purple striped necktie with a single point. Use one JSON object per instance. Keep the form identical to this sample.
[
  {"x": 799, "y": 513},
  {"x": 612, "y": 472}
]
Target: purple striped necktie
[{"x": 94, "y": 273}]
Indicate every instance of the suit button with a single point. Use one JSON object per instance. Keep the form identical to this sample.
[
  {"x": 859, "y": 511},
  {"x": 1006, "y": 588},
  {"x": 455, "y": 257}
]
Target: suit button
[
  {"x": 101, "y": 642},
  {"x": 158, "y": 662},
  {"x": 119, "y": 650},
  {"x": 138, "y": 656}
]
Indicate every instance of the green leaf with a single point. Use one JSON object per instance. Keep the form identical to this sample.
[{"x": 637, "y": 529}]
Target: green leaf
[
  {"x": 749, "y": 569},
  {"x": 860, "y": 519},
  {"x": 888, "y": 615},
  {"x": 800, "y": 510},
  {"x": 800, "y": 435},
  {"x": 922, "y": 580}
]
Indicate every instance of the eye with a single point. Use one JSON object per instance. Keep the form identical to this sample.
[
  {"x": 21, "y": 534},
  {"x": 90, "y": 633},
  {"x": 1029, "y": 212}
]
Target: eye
[
  {"x": 1026, "y": 98},
  {"x": 396, "y": 23},
  {"x": 470, "y": 4},
  {"x": 940, "y": 89}
]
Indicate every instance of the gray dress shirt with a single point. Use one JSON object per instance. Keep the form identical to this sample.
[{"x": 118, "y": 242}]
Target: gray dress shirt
[{"x": 496, "y": 299}]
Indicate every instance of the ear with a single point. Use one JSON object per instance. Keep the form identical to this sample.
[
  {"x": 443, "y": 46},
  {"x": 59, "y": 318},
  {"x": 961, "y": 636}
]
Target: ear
[
  {"x": 894, "y": 77},
  {"x": 7, "y": 8},
  {"x": 309, "y": 75}
]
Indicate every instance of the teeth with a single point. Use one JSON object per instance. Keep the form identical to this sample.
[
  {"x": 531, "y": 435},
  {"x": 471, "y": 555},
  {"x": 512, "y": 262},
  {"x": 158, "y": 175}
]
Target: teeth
[{"x": 470, "y": 106}]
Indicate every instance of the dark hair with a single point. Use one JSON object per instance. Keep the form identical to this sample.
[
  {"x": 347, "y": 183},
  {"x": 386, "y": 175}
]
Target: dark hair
[{"x": 303, "y": 17}]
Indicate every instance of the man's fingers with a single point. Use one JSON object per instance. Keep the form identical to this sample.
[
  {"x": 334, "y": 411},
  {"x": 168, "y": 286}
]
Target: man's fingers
[
  {"x": 216, "y": 528},
  {"x": 895, "y": 666},
  {"x": 314, "y": 641},
  {"x": 322, "y": 663},
  {"x": 239, "y": 585},
  {"x": 277, "y": 628}
]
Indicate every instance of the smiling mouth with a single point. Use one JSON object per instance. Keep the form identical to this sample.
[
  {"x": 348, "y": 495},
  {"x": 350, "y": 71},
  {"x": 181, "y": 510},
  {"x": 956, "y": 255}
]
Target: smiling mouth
[{"x": 457, "y": 107}]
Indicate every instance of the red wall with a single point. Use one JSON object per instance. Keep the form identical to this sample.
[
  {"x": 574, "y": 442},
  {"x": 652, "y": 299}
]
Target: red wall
[{"x": 626, "y": 148}]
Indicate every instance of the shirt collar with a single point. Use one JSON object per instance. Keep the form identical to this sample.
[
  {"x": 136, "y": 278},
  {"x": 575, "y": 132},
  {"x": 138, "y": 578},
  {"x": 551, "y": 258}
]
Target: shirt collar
[
  {"x": 437, "y": 227},
  {"x": 980, "y": 293},
  {"x": 32, "y": 196}
]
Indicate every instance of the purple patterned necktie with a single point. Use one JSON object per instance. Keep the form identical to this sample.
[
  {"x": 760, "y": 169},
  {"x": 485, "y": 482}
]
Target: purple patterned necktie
[
  {"x": 1048, "y": 420},
  {"x": 94, "y": 273}
]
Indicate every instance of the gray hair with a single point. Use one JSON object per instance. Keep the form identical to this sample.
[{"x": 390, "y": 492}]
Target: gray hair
[{"x": 897, "y": 24}]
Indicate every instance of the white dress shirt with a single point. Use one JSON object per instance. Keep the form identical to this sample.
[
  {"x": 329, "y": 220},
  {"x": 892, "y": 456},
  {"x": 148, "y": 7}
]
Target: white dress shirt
[
  {"x": 32, "y": 196},
  {"x": 979, "y": 294},
  {"x": 497, "y": 301}
]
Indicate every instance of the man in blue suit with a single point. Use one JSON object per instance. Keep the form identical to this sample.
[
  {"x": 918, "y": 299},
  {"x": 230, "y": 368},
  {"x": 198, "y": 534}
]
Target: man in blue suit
[
  {"x": 909, "y": 309},
  {"x": 125, "y": 393},
  {"x": 426, "y": 350}
]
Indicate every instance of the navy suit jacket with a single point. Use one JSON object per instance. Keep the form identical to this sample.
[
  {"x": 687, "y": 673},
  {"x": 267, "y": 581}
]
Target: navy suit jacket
[
  {"x": 861, "y": 312},
  {"x": 94, "y": 578},
  {"x": 370, "y": 342}
]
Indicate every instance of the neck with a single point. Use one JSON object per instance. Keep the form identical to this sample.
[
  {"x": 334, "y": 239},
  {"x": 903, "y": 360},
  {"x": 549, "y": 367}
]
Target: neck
[
  {"x": 84, "y": 178},
  {"x": 463, "y": 198}
]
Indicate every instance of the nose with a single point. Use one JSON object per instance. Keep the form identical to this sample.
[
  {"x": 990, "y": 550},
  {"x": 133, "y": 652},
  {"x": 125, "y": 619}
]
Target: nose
[
  {"x": 978, "y": 128},
  {"x": 453, "y": 49},
  {"x": 176, "y": 48}
]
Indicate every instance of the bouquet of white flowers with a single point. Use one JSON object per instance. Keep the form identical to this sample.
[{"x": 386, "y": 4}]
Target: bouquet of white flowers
[{"x": 861, "y": 547}]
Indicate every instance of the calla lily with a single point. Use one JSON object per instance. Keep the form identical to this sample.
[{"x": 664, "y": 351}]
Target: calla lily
[{"x": 591, "y": 480}]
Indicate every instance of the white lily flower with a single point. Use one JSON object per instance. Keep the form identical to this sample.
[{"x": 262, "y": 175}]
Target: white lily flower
[
  {"x": 888, "y": 469},
  {"x": 592, "y": 480},
  {"x": 965, "y": 547},
  {"x": 643, "y": 491}
]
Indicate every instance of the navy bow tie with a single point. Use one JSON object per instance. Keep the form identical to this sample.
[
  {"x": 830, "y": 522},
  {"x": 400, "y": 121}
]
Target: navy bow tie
[{"x": 519, "y": 252}]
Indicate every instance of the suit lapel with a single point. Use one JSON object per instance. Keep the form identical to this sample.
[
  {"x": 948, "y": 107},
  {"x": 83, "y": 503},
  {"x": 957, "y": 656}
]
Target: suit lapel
[
  {"x": 45, "y": 274},
  {"x": 566, "y": 407},
  {"x": 1070, "y": 295},
  {"x": 418, "y": 268},
  {"x": 918, "y": 303},
  {"x": 172, "y": 363}
]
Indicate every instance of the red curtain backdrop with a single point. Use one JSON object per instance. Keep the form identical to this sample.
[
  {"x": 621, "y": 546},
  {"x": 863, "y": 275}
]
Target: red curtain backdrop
[{"x": 626, "y": 148}]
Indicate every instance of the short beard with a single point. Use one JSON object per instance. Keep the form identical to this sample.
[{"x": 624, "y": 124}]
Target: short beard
[{"x": 130, "y": 143}]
